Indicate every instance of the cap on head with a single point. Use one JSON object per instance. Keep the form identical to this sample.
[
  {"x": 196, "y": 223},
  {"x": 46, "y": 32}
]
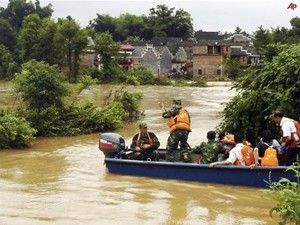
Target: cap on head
[
  {"x": 142, "y": 125},
  {"x": 177, "y": 102}
]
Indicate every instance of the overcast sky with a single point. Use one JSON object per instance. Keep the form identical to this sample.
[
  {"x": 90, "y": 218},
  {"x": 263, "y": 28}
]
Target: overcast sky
[{"x": 208, "y": 15}]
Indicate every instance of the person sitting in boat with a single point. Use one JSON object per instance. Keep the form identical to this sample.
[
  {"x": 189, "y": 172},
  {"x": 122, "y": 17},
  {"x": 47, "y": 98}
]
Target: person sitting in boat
[
  {"x": 267, "y": 150},
  {"x": 241, "y": 154},
  {"x": 227, "y": 141},
  {"x": 145, "y": 144},
  {"x": 179, "y": 123},
  {"x": 209, "y": 150}
]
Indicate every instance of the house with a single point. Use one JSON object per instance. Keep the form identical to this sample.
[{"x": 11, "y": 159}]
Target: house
[
  {"x": 209, "y": 57},
  {"x": 245, "y": 55}
]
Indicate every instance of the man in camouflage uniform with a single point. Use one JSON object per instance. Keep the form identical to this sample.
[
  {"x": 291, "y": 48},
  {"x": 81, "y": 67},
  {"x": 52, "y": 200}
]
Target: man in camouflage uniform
[
  {"x": 145, "y": 145},
  {"x": 179, "y": 131},
  {"x": 209, "y": 149}
]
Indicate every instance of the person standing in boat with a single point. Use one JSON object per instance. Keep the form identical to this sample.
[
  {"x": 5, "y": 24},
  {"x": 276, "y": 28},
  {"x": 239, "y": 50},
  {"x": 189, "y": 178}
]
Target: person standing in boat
[
  {"x": 179, "y": 123},
  {"x": 290, "y": 138},
  {"x": 145, "y": 144}
]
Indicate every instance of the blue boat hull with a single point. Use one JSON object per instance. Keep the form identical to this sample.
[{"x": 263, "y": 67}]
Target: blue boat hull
[{"x": 232, "y": 175}]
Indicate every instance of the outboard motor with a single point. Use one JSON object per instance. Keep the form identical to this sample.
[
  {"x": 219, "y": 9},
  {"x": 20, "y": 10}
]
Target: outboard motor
[{"x": 112, "y": 145}]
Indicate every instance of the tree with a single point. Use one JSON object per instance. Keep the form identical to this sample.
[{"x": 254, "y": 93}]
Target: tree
[
  {"x": 262, "y": 39},
  {"x": 233, "y": 68},
  {"x": 28, "y": 38},
  {"x": 7, "y": 35},
  {"x": 16, "y": 10},
  {"x": 238, "y": 30},
  {"x": 41, "y": 86},
  {"x": 107, "y": 49},
  {"x": 71, "y": 40},
  {"x": 165, "y": 22},
  {"x": 8, "y": 67},
  {"x": 274, "y": 86}
]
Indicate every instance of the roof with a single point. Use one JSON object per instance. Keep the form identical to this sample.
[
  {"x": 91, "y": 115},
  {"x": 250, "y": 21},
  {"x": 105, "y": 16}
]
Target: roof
[
  {"x": 213, "y": 42},
  {"x": 238, "y": 51},
  {"x": 127, "y": 47},
  {"x": 208, "y": 35}
]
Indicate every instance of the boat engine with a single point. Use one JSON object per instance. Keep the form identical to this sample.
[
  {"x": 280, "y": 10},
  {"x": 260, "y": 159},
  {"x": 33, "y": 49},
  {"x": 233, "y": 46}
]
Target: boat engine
[{"x": 112, "y": 145}]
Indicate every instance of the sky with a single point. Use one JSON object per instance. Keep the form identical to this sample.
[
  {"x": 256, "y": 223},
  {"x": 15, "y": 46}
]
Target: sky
[{"x": 208, "y": 15}]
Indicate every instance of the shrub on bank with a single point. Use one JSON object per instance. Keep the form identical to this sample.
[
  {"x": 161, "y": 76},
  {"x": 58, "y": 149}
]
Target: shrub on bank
[{"x": 15, "y": 131}]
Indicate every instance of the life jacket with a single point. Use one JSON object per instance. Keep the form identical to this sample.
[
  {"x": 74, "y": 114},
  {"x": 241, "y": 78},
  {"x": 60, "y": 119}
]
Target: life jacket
[
  {"x": 228, "y": 139},
  {"x": 138, "y": 142},
  {"x": 270, "y": 157},
  {"x": 180, "y": 121},
  {"x": 248, "y": 156}
]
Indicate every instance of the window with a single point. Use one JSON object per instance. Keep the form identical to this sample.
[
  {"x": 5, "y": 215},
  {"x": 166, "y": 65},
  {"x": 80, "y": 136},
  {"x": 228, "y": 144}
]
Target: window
[
  {"x": 200, "y": 72},
  {"x": 218, "y": 49},
  {"x": 218, "y": 72},
  {"x": 210, "y": 50}
]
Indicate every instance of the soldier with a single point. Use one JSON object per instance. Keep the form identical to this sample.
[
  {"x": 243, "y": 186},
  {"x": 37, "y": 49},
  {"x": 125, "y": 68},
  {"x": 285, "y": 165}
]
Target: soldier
[
  {"x": 179, "y": 124},
  {"x": 145, "y": 144},
  {"x": 211, "y": 149}
]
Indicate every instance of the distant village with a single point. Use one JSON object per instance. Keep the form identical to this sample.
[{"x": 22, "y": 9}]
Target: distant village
[{"x": 201, "y": 57}]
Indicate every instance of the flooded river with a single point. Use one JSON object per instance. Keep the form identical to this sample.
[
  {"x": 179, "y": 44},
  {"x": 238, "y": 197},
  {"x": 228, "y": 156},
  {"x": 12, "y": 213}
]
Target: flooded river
[{"x": 63, "y": 181}]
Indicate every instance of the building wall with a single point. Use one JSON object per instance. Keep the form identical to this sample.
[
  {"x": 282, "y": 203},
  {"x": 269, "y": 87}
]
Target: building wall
[
  {"x": 151, "y": 61},
  {"x": 165, "y": 61},
  {"x": 87, "y": 59},
  {"x": 208, "y": 64}
]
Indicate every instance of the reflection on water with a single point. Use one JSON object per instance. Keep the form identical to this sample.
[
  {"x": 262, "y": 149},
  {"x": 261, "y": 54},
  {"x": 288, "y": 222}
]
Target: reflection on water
[{"x": 63, "y": 180}]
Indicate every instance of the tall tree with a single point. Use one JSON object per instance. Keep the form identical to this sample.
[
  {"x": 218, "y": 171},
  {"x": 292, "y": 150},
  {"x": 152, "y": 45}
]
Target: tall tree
[
  {"x": 7, "y": 64},
  {"x": 16, "y": 10},
  {"x": 170, "y": 23},
  {"x": 7, "y": 35},
  {"x": 262, "y": 37},
  {"x": 107, "y": 49},
  {"x": 71, "y": 40},
  {"x": 28, "y": 38}
]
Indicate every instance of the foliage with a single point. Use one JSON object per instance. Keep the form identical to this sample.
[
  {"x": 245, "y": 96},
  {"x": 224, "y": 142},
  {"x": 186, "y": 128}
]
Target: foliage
[
  {"x": 295, "y": 22},
  {"x": 15, "y": 131},
  {"x": 169, "y": 23},
  {"x": 86, "y": 81},
  {"x": 40, "y": 85},
  {"x": 7, "y": 35},
  {"x": 180, "y": 83},
  {"x": 71, "y": 40},
  {"x": 16, "y": 10},
  {"x": 162, "y": 80},
  {"x": 108, "y": 49},
  {"x": 143, "y": 75},
  {"x": 162, "y": 21},
  {"x": 262, "y": 37},
  {"x": 198, "y": 83},
  {"x": 287, "y": 196},
  {"x": 274, "y": 86},
  {"x": 8, "y": 67},
  {"x": 233, "y": 68}
]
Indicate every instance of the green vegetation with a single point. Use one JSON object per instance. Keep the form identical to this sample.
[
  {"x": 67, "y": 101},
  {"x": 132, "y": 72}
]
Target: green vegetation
[
  {"x": 287, "y": 196},
  {"x": 15, "y": 131},
  {"x": 273, "y": 86},
  {"x": 7, "y": 64}
]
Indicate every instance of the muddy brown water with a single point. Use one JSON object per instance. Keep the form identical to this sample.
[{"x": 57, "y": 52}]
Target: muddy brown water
[{"x": 63, "y": 180}]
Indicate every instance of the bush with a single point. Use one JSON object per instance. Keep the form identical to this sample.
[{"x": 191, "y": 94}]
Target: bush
[
  {"x": 162, "y": 80},
  {"x": 93, "y": 72},
  {"x": 40, "y": 85},
  {"x": 274, "y": 86},
  {"x": 15, "y": 132},
  {"x": 287, "y": 196},
  {"x": 143, "y": 75},
  {"x": 86, "y": 81},
  {"x": 132, "y": 80},
  {"x": 180, "y": 83}
]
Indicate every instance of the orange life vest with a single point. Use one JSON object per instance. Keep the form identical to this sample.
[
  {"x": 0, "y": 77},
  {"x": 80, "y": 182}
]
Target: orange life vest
[
  {"x": 138, "y": 142},
  {"x": 228, "y": 139},
  {"x": 270, "y": 157},
  {"x": 181, "y": 121},
  {"x": 248, "y": 156}
]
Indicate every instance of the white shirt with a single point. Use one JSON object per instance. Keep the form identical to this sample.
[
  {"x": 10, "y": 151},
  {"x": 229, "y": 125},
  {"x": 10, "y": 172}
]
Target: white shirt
[
  {"x": 288, "y": 128},
  {"x": 236, "y": 154}
]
